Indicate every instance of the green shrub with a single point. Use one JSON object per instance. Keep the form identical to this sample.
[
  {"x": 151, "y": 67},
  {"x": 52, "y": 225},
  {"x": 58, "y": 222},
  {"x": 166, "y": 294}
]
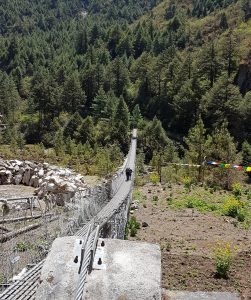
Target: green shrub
[
  {"x": 200, "y": 204},
  {"x": 132, "y": 227},
  {"x": 187, "y": 183},
  {"x": 231, "y": 207},
  {"x": 223, "y": 256},
  {"x": 23, "y": 246},
  {"x": 154, "y": 178},
  {"x": 133, "y": 231},
  {"x": 237, "y": 190},
  {"x": 241, "y": 215}
]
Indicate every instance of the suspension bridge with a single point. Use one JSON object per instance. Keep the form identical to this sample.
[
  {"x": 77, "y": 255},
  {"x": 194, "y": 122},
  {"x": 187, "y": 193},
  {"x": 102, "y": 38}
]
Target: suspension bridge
[{"x": 109, "y": 222}]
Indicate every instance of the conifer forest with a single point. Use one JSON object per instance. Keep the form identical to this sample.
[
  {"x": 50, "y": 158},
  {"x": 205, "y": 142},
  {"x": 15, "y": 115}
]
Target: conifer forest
[{"x": 76, "y": 76}]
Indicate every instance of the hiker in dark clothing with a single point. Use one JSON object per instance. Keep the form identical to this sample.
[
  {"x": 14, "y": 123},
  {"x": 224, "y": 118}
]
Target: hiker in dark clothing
[{"x": 128, "y": 174}]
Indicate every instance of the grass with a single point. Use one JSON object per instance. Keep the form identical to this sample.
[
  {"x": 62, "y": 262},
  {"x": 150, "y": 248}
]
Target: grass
[
  {"x": 136, "y": 195},
  {"x": 132, "y": 227},
  {"x": 23, "y": 246},
  {"x": 236, "y": 204}
]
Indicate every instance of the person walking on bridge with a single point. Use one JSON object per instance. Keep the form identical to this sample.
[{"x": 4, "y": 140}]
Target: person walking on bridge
[{"x": 128, "y": 174}]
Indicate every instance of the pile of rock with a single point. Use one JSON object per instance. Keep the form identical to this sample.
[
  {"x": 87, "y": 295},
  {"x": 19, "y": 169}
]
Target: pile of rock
[{"x": 44, "y": 177}]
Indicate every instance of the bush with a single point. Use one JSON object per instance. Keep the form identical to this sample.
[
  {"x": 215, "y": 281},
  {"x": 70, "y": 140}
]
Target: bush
[
  {"x": 242, "y": 214},
  {"x": 237, "y": 190},
  {"x": 223, "y": 256},
  {"x": 132, "y": 227},
  {"x": 23, "y": 246},
  {"x": 232, "y": 207},
  {"x": 187, "y": 183},
  {"x": 154, "y": 178},
  {"x": 133, "y": 231},
  {"x": 200, "y": 204}
]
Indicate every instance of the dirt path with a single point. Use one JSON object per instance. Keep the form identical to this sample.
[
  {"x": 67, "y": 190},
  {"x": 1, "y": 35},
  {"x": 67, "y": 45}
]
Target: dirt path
[
  {"x": 188, "y": 237},
  {"x": 15, "y": 191}
]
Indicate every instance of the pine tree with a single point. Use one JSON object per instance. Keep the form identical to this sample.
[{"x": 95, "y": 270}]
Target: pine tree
[
  {"x": 9, "y": 98},
  {"x": 87, "y": 132},
  {"x": 73, "y": 97},
  {"x": 208, "y": 65},
  {"x": 70, "y": 146},
  {"x": 59, "y": 144},
  {"x": 82, "y": 43},
  {"x": 197, "y": 146},
  {"x": 246, "y": 153},
  {"x": 228, "y": 51},
  {"x": 71, "y": 128},
  {"x": 223, "y": 101},
  {"x": 114, "y": 38},
  {"x": 120, "y": 76},
  {"x": 125, "y": 46},
  {"x": 224, "y": 149},
  {"x": 245, "y": 109},
  {"x": 223, "y": 22},
  {"x": 140, "y": 43},
  {"x": 136, "y": 117},
  {"x": 99, "y": 104},
  {"x": 246, "y": 7},
  {"x": 154, "y": 138},
  {"x": 120, "y": 130}
]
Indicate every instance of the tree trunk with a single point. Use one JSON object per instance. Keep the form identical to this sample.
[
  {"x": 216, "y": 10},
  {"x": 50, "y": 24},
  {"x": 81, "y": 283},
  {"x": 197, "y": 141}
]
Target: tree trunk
[
  {"x": 10, "y": 235},
  {"x": 24, "y": 218}
]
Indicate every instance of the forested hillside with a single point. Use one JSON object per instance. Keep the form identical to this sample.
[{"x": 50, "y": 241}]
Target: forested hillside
[{"x": 79, "y": 74}]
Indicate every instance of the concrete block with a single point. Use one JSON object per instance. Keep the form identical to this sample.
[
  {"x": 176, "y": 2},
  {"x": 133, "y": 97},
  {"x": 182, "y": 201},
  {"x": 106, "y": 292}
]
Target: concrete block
[
  {"x": 129, "y": 271},
  {"x": 59, "y": 276}
]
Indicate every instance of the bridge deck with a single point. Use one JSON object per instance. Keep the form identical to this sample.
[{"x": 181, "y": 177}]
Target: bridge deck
[{"x": 25, "y": 289}]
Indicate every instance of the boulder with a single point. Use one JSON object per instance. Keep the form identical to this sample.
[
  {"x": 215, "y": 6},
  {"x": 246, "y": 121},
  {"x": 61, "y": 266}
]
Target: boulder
[
  {"x": 51, "y": 186},
  {"x": 21, "y": 170},
  {"x": 2, "y": 172},
  {"x": 16, "y": 168},
  {"x": 34, "y": 181},
  {"x": 26, "y": 177},
  {"x": 69, "y": 187},
  {"x": 41, "y": 173},
  {"x": 18, "y": 179}
]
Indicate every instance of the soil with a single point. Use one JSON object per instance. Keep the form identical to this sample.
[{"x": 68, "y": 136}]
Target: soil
[
  {"x": 13, "y": 191},
  {"x": 188, "y": 238}
]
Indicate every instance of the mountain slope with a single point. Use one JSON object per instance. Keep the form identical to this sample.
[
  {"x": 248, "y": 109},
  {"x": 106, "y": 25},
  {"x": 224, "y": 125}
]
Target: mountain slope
[{"x": 169, "y": 59}]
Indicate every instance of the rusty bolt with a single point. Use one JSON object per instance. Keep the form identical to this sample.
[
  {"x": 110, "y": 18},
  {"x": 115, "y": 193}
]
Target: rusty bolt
[
  {"x": 99, "y": 261},
  {"x": 76, "y": 259},
  {"x": 102, "y": 244}
]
